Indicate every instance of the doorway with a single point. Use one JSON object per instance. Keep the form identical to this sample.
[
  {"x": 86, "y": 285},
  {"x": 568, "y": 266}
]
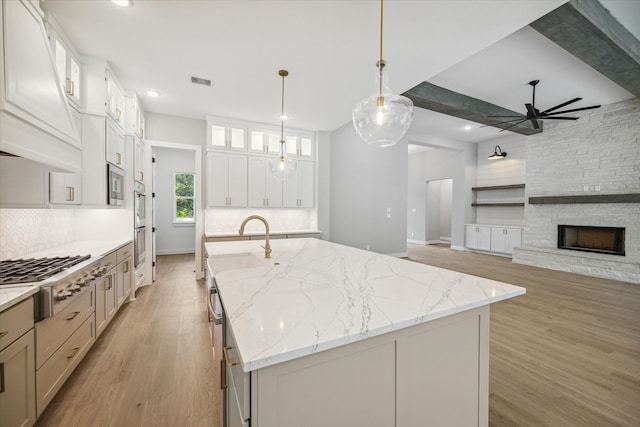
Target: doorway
[{"x": 438, "y": 212}]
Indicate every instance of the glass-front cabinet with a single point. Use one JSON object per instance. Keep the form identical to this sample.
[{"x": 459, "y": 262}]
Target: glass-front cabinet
[{"x": 227, "y": 137}]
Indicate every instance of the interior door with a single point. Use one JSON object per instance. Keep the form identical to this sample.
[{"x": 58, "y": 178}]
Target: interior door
[{"x": 153, "y": 218}]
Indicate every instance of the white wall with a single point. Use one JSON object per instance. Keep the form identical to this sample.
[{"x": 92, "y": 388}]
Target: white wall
[
  {"x": 171, "y": 238},
  {"x": 365, "y": 182},
  {"x": 446, "y": 199},
  {"x": 161, "y": 127},
  {"x": 323, "y": 176}
]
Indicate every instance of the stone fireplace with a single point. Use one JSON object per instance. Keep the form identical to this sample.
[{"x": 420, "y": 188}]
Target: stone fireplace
[
  {"x": 605, "y": 240},
  {"x": 583, "y": 195}
]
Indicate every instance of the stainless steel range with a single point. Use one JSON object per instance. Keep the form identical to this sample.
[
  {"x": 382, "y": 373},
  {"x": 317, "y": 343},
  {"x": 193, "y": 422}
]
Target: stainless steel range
[{"x": 61, "y": 279}]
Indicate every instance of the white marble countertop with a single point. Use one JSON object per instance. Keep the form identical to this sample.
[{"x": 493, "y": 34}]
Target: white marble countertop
[
  {"x": 258, "y": 233},
  {"x": 13, "y": 294},
  {"x": 313, "y": 295}
]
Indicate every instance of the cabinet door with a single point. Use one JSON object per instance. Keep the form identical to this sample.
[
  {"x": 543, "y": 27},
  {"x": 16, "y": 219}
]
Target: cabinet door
[
  {"x": 306, "y": 184},
  {"x": 257, "y": 141},
  {"x": 115, "y": 100},
  {"x": 123, "y": 287},
  {"x": 257, "y": 188},
  {"x": 115, "y": 144},
  {"x": 471, "y": 237},
  {"x": 139, "y": 161},
  {"x": 228, "y": 137},
  {"x": 106, "y": 304},
  {"x": 237, "y": 180},
  {"x": 217, "y": 179},
  {"x": 513, "y": 239},
  {"x": 291, "y": 189},
  {"x": 498, "y": 239},
  {"x": 18, "y": 398},
  {"x": 65, "y": 188},
  {"x": 484, "y": 238}
]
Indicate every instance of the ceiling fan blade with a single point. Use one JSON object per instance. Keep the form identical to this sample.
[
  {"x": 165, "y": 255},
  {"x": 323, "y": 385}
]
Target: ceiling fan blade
[
  {"x": 515, "y": 124},
  {"x": 571, "y": 111},
  {"x": 560, "y": 118},
  {"x": 520, "y": 116},
  {"x": 560, "y": 105},
  {"x": 531, "y": 115}
]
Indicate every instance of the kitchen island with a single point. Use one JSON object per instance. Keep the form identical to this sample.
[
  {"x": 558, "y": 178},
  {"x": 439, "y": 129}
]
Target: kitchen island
[{"x": 324, "y": 334}]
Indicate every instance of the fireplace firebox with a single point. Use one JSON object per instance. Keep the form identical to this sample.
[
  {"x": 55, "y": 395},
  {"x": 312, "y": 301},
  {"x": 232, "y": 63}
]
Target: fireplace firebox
[{"x": 607, "y": 240}]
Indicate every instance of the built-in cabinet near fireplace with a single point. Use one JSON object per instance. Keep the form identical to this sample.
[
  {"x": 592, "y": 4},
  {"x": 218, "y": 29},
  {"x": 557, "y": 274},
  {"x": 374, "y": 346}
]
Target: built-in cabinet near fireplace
[{"x": 608, "y": 240}]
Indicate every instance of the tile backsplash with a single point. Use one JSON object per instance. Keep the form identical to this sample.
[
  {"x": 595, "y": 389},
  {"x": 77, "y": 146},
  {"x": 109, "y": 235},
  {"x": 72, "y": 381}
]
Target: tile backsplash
[
  {"x": 23, "y": 231},
  {"x": 229, "y": 220}
]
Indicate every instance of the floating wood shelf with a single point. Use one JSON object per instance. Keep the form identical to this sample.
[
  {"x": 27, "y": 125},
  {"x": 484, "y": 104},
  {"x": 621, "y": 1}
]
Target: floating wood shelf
[
  {"x": 497, "y": 204},
  {"x": 498, "y": 187},
  {"x": 590, "y": 198}
]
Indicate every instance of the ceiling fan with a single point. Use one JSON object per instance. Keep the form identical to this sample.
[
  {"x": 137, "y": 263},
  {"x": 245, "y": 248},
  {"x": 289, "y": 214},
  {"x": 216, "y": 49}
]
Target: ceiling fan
[{"x": 533, "y": 114}]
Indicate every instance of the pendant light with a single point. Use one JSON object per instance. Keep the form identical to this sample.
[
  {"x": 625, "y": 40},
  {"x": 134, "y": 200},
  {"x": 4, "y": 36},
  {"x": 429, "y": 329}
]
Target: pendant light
[
  {"x": 382, "y": 119},
  {"x": 282, "y": 166}
]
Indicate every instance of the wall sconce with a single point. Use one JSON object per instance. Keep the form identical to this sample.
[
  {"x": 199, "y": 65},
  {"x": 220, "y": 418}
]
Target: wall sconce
[{"x": 497, "y": 154}]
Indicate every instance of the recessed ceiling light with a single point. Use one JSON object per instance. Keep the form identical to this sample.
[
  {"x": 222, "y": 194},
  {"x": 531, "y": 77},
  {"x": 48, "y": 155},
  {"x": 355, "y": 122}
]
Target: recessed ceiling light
[
  {"x": 284, "y": 117},
  {"x": 123, "y": 3},
  {"x": 468, "y": 127},
  {"x": 153, "y": 93}
]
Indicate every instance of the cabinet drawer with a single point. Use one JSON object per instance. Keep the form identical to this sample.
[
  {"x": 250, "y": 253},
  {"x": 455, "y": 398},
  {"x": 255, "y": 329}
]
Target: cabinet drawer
[
  {"x": 236, "y": 376},
  {"x": 110, "y": 260},
  {"x": 52, "y": 375},
  {"x": 15, "y": 321},
  {"x": 124, "y": 253},
  {"x": 52, "y": 332},
  {"x": 235, "y": 418}
]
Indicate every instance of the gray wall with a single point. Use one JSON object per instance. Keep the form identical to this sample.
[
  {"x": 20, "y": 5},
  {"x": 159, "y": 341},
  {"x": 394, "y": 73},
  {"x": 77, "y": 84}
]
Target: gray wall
[
  {"x": 323, "y": 171},
  {"x": 171, "y": 238},
  {"x": 454, "y": 160},
  {"x": 365, "y": 181}
]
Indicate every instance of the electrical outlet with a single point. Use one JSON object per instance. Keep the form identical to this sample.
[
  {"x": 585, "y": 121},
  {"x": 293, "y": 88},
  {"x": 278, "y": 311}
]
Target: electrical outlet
[
  {"x": 597, "y": 188},
  {"x": 388, "y": 215},
  {"x": 585, "y": 188}
]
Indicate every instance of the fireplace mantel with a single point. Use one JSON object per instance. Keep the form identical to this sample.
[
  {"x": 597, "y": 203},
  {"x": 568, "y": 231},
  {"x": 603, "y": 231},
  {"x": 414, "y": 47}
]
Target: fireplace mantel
[{"x": 589, "y": 198}]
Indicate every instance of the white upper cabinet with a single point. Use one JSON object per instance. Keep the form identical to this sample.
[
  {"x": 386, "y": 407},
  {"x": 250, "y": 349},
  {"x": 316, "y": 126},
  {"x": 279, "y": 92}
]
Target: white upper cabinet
[
  {"x": 134, "y": 115},
  {"x": 300, "y": 145},
  {"x": 226, "y": 135},
  {"x": 35, "y": 116},
  {"x": 115, "y": 99},
  {"x": 65, "y": 188},
  {"x": 101, "y": 93},
  {"x": 138, "y": 161},
  {"x": 115, "y": 145},
  {"x": 226, "y": 180},
  {"x": 299, "y": 189},
  {"x": 265, "y": 189},
  {"x": 264, "y": 141},
  {"x": 67, "y": 62}
]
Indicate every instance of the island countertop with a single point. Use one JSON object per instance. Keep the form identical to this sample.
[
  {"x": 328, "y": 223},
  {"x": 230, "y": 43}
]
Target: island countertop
[{"x": 314, "y": 295}]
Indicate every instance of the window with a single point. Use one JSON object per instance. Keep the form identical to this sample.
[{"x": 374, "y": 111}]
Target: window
[{"x": 184, "y": 197}]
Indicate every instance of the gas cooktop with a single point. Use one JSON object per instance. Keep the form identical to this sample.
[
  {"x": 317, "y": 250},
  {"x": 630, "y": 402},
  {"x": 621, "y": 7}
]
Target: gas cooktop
[{"x": 35, "y": 269}]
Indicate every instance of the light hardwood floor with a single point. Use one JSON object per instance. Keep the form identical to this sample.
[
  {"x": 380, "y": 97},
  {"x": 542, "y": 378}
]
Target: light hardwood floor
[
  {"x": 565, "y": 354},
  {"x": 152, "y": 366}
]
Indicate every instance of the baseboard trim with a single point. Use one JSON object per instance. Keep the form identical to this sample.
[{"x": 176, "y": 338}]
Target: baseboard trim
[
  {"x": 416, "y": 242},
  {"x": 458, "y": 248},
  {"x": 175, "y": 251}
]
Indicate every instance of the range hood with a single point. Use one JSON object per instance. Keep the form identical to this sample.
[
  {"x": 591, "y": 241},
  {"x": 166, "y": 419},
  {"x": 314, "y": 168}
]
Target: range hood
[{"x": 35, "y": 120}]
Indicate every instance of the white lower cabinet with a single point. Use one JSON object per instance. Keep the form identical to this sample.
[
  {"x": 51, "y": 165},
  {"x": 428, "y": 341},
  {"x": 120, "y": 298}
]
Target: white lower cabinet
[
  {"x": 478, "y": 237},
  {"x": 124, "y": 279},
  {"x": 106, "y": 302},
  {"x": 493, "y": 238},
  {"x": 435, "y": 373},
  {"x": 504, "y": 239}
]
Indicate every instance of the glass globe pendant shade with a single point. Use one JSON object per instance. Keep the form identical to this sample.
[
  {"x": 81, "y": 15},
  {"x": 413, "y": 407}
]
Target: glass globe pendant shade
[
  {"x": 383, "y": 118},
  {"x": 282, "y": 167}
]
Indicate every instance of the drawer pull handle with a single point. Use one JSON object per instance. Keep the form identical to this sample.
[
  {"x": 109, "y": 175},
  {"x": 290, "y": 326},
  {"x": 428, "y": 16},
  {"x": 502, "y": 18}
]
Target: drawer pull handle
[
  {"x": 1, "y": 377},
  {"x": 223, "y": 377},
  {"x": 73, "y": 316},
  {"x": 75, "y": 351},
  {"x": 226, "y": 356},
  {"x": 3, "y": 333}
]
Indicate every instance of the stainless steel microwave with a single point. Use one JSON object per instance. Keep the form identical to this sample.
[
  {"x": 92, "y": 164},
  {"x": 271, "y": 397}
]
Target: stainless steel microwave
[{"x": 115, "y": 188}]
